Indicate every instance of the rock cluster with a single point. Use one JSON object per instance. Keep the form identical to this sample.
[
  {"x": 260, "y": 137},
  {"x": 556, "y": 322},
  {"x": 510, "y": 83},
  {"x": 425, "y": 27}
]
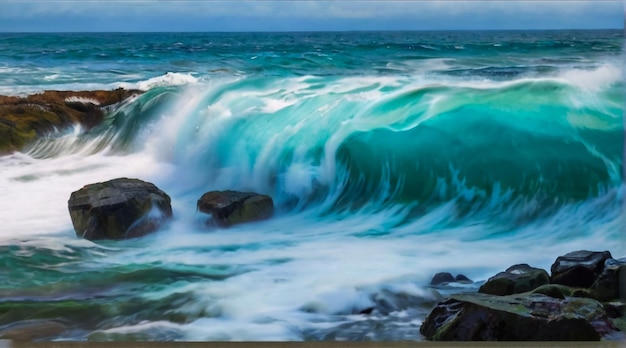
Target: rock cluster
[
  {"x": 579, "y": 301},
  {"x": 125, "y": 208}
]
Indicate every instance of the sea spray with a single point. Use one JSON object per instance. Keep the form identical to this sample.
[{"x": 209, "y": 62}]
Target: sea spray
[{"x": 390, "y": 157}]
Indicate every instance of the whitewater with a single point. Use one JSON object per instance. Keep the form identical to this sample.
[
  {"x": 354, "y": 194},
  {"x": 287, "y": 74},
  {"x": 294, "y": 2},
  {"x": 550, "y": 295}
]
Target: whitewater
[{"x": 389, "y": 156}]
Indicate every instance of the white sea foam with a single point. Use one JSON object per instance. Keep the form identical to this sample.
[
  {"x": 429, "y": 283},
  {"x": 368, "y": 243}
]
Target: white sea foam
[
  {"x": 310, "y": 269},
  {"x": 168, "y": 79},
  {"x": 593, "y": 79},
  {"x": 36, "y": 190},
  {"x": 75, "y": 99}
]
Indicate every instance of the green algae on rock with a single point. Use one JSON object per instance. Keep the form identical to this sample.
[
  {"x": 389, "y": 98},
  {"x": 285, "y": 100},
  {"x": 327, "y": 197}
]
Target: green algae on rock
[
  {"x": 24, "y": 120},
  {"x": 516, "y": 279},
  {"x": 519, "y": 317}
]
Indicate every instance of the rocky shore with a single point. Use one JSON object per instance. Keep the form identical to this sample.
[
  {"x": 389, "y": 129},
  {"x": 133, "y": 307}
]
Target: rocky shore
[
  {"x": 581, "y": 300},
  {"x": 24, "y": 119},
  {"x": 125, "y": 208}
]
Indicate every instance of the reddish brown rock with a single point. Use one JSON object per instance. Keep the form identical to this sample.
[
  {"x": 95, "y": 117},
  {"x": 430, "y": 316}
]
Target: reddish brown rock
[{"x": 23, "y": 120}]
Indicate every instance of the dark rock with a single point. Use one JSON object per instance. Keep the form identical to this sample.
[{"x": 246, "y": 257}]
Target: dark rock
[
  {"x": 442, "y": 277},
  {"x": 606, "y": 286},
  {"x": 520, "y": 317},
  {"x": 580, "y": 292},
  {"x": 516, "y": 279},
  {"x": 118, "y": 209},
  {"x": 578, "y": 268},
  {"x": 232, "y": 207},
  {"x": 462, "y": 278},
  {"x": 368, "y": 310},
  {"x": 24, "y": 120},
  {"x": 553, "y": 290},
  {"x": 614, "y": 309}
]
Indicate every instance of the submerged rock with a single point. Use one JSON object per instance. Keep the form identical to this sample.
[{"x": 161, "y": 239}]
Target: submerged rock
[
  {"x": 579, "y": 268},
  {"x": 233, "y": 207},
  {"x": 33, "y": 329},
  {"x": 118, "y": 209},
  {"x": 24, "y": 120},
  {"x": 526, "y": 317},
  {"x": 516, "y": 279}
]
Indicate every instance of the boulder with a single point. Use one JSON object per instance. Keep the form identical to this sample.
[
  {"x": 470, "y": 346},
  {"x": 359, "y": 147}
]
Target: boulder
[
  {"x": 24, "y": 120},
  {"x": 516, "y": 279},
  {"x": 579, "y": 268},
  {"x": 519, "y": 317},
  {"x": 554, "y": 290},
  {"x": 441, "y": 278},
  {"x": 233, "y": 207},
  {"x": 606, "y": 285},
  {"x": 118, "y": 209},
  {"x": 462, "y": 279}
]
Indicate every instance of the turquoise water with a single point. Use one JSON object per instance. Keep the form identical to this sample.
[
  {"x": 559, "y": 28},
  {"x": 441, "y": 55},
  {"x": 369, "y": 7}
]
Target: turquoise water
[{"x": 390, "y": 157}]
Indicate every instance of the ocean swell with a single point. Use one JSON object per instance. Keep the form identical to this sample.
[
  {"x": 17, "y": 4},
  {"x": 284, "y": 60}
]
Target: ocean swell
[{"x": 372, "y": 143}]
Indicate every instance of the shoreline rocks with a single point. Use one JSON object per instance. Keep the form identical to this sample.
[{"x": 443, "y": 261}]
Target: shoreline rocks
[
  {"x": 516, "y": 279},
  {"x": 578, "y": 268},
  {"x": 126, "y": 208},
  {"x": 118, "y": 209},
  {"x": 443, "y": 278},
  {"x": 520, "y": 317},
  {"x": 25, "y": 119},
  {"x": 578, "y": 301},
  {"x": 233, "y": 207}
]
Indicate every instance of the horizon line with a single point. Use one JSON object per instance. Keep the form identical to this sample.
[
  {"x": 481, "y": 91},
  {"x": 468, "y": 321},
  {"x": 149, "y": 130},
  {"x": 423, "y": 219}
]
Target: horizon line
[{"x": 296, "y": 31}]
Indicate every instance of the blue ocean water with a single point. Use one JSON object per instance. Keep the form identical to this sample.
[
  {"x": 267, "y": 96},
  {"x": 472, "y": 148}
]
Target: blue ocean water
[{"x": 390, "y": 156}]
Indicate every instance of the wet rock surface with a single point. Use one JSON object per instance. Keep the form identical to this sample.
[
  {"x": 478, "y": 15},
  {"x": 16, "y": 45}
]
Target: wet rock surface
[
  {"x": 578, "y": 268},
  {"x": 233, "y": 207},
  {"x": 528, "y": 317},
  {"x": 516, "y": 279},
  {"x": 25, "y": 119},
  {"x": 118, "y": 209},
  {"x": 579, "y": 302}
]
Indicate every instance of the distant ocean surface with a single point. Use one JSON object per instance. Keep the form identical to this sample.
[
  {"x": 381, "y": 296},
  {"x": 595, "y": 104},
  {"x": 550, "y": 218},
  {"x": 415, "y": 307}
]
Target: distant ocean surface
[{"x": 390, "y": 157}]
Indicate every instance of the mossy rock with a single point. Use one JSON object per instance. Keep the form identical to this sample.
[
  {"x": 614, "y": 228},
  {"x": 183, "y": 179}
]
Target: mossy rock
[
  {"x": 519, "y": 317},
  {"x": 516, "y": 279},
  {"x": 24, "y": 120},
  {"x": 554, "y": 291},
  {"x": 85, "y": 313}
]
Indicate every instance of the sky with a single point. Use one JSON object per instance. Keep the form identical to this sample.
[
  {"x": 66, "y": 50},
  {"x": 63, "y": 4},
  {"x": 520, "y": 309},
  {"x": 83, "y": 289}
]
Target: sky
[{"x": 285, "y": 15}]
